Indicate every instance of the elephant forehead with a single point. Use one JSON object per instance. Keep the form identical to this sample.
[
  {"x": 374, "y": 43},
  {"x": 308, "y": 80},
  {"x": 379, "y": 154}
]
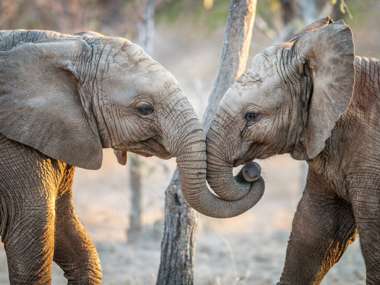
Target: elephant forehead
[
  {"x": 123, "y": 88},
  {"x": 133, "y": 73},
  {"x": 132, "y": 57},
  {"x": 262, "y": 97},
  {"x": 254, "y": 89}
]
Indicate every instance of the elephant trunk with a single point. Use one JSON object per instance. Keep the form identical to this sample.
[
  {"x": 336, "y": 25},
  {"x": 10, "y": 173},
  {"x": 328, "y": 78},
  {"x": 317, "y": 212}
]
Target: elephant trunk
[
  {"x": 191, "y": 160},
  {"x": 220, "y": 170}
]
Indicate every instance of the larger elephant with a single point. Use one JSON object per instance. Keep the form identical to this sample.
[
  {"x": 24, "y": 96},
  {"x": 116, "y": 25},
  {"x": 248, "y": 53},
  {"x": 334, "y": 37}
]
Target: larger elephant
[
  {"x": 62, "y": 99},
  {"x": 313, "y": 98}
]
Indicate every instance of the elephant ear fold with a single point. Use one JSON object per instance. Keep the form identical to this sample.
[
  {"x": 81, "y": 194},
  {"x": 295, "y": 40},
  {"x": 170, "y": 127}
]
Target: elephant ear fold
[
  {"x": 312, "y": 27},
  {"x": 40, "y": 105},
  {"x": 329, "y": 55}
]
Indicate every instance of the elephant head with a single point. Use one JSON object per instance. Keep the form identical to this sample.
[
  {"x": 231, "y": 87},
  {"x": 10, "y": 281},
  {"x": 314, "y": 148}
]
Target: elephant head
[
  {"x": 288, "y": 101},
  {"x": 69, "y": 96}
]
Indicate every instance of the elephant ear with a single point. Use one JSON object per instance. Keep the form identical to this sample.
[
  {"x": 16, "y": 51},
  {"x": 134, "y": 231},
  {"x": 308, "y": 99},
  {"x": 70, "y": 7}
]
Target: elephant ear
[
  {"x": 329, "y": 55},
  {"x": 311, "y": 27},
  {"x": 40, "y": 105}
]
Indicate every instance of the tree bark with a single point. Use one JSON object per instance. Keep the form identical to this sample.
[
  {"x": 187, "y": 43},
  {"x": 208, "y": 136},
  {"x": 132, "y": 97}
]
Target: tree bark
[
  {"x": 145, "y": 34},
  {"x": 235, "y": 52},
  {"x": 177, "y": 246}
]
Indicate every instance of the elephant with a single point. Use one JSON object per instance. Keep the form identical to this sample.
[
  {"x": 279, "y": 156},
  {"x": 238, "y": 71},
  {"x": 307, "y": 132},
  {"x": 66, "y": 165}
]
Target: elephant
[
  {"x": 63, "y": 98},
  {"x": 313, "y": 98}
]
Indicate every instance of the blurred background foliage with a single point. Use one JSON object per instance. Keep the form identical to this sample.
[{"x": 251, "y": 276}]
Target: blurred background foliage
[{"x": 120, "y": 16}]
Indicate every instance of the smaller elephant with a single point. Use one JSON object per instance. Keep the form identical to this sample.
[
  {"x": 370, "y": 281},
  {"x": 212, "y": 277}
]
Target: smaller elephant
[{"x": 313, "y": 98}]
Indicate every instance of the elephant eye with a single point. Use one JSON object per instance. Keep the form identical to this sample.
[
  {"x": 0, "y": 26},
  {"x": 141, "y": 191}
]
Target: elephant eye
[
  {"x": 251, "y": 117},
  {"x": 144, "y": 108}
]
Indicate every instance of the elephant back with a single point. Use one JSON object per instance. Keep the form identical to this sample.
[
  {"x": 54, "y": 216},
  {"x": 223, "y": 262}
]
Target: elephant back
[{"x": 12, "y": 38}]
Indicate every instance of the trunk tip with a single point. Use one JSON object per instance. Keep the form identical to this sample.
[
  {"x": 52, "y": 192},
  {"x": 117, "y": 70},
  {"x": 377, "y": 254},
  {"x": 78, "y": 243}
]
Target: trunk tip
[{"x": 250, "y": 172}]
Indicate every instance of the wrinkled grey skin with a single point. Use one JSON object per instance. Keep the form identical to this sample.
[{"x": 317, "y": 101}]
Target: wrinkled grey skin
[
  {"x": 312, "y": 98},
  {"x": 62, "y": 99}
]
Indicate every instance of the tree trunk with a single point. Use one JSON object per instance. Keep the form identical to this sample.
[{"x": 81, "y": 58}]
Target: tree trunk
[
  {"x": 288, "y": 11},
  {"x": 235, "y": 52},
  {"x": 145, "y": 28},
  {"x": 145, "y": 32},
  {"x": 339, "y": 10},
  {"x": 177, "y": 246}
]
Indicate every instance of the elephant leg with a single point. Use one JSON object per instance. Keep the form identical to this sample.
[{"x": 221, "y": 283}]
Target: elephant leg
[
  {"x": 29, "y": 244},
  {"x": 28, "y": 183},
  {"x": 322, "y": 229},
  {"x": 74, "y": 251},
  {"x": 366, "y": 205}
]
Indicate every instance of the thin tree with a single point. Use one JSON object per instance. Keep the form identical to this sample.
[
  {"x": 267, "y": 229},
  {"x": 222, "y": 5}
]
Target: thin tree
[
  {"x": 177, "y": 246},
  {"x": 145, "y": 34}
]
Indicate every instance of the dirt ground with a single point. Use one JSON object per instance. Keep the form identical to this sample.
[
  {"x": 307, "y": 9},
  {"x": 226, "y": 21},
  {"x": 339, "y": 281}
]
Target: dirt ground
[{"x": 248, "y": 249}]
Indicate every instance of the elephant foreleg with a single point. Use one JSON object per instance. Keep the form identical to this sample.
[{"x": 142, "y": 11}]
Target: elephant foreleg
[
  {"x": 323, "y": 227},
  {"x": 366, "y": 205},
  {"x": 74, "y": 251},
  {"x": 29, "y": 243}
]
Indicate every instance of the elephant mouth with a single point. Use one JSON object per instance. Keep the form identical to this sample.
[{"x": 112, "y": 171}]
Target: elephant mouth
[
  {"x": 243, "y": 159},
  {"x": 148, "y": 148},
  {"x": 254, "y": 151}
]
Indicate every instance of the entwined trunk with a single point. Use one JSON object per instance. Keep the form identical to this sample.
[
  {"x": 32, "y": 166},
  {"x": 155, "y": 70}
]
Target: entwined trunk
[{"x": 191, "y": 162}]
